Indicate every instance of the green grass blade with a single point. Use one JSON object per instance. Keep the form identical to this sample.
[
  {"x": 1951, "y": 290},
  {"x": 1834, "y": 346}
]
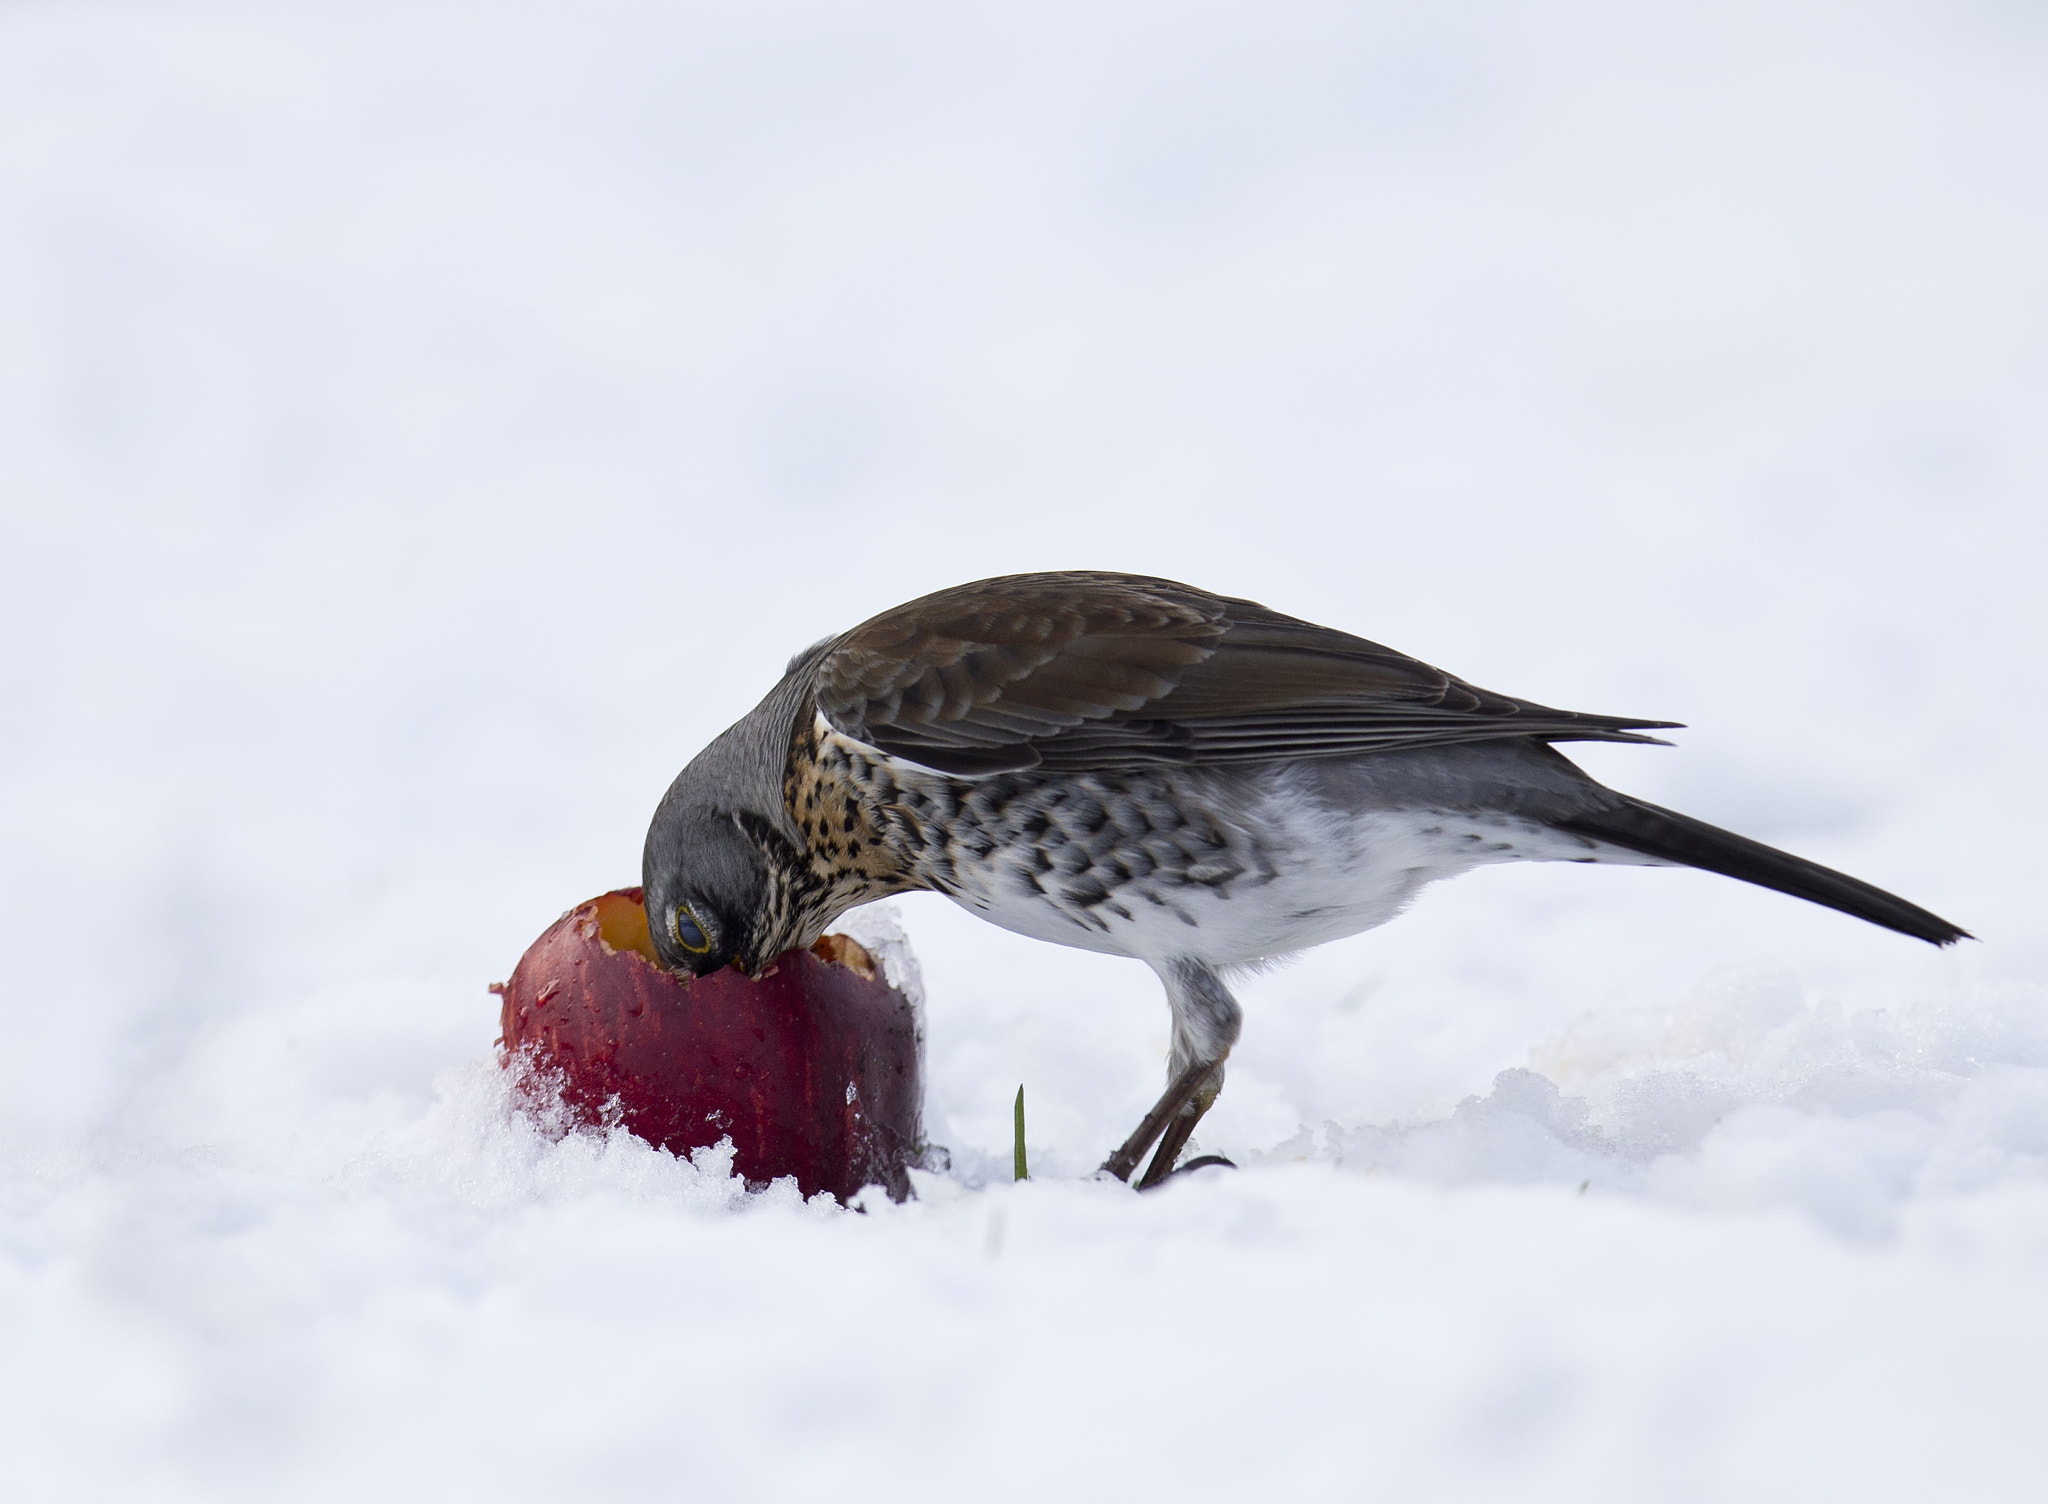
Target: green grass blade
[{"x": 1017, "y": 1151}]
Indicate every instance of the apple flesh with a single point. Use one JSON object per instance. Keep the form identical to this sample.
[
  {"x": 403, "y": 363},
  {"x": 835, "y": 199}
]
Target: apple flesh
[{"x": 811, "y": 1069}]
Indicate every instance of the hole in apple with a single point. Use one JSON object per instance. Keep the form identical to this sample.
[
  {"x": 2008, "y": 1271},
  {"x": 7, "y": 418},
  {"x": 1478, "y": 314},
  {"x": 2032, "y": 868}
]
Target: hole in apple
[
  {"x": 622, "y": 926},
  {"x": 843, "y": 950}
]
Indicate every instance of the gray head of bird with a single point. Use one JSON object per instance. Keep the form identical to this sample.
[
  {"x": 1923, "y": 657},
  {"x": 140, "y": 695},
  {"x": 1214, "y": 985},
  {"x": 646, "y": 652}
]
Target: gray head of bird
[
  {"x": 706, "y": 886},
  {"x": 719, "y": 839}
]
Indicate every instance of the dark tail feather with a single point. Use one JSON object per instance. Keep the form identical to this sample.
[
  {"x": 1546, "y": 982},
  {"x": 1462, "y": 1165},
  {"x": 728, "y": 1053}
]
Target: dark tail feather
[{"x": 1636, "y": 826}]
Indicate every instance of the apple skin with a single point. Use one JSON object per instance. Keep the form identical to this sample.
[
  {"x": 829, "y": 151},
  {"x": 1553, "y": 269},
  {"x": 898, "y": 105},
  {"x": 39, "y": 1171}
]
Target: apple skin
[{"x": 811, "y": 1070}]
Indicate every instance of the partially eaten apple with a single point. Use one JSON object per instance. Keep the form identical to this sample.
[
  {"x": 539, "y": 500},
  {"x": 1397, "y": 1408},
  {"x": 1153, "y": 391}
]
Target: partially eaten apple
[{"x": 811, "y": 1069}]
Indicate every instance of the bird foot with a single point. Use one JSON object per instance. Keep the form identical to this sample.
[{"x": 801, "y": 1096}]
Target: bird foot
[
  {"x": 1199, "y": 1162},
  {"x": 1164, "y": 1118},
  {"x": 1171, "y": 1143}
]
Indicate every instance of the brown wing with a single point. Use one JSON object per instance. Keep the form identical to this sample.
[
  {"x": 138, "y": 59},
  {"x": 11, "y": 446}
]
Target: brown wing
[{"x": 1087, "y": 670}]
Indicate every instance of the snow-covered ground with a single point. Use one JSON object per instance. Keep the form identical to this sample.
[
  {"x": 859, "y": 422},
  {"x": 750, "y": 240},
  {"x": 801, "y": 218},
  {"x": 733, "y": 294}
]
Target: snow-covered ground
[{"x": 423, "y": 424}]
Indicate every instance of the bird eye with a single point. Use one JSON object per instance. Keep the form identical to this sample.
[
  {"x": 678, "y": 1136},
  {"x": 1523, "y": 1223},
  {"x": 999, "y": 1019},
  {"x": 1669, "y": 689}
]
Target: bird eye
[{"x": 686, "y": 932}]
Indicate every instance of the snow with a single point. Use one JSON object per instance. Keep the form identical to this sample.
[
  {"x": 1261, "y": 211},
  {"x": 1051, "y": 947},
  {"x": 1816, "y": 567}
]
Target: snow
[{"x": 425, "y": 425}]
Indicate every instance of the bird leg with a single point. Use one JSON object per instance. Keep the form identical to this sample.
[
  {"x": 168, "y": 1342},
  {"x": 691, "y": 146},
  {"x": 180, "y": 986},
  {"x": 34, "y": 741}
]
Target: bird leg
[
  {"x": 1206, "y": 1020},
  {"x": 1181, "y": 1128},
  {"x": 1179, "y": 1096}
]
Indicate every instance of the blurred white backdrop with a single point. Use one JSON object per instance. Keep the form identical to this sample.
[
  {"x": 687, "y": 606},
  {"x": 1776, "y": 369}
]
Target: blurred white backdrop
[{"x": 422, "y": 426}]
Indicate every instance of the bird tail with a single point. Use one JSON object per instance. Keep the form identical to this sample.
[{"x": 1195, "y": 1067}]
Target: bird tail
[{"x": 1635, "y": 826}]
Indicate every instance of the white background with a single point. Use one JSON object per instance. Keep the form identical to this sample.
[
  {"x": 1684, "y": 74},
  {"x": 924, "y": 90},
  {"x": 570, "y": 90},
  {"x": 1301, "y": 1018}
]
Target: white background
[{"x": 423, "y": 425}]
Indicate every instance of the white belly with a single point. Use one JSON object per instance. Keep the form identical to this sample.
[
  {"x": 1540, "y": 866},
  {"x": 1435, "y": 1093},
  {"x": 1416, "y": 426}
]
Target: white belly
[{"x": 1311, "y": 874}]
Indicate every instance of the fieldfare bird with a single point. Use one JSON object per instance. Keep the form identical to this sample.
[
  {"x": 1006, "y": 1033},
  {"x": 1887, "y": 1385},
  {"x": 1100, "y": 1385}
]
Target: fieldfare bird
[{"x": 1138, "y": 767}]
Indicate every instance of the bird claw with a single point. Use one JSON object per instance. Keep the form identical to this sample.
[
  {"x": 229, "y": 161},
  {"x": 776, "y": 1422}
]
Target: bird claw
[{"x": 1199, "y": 1162}]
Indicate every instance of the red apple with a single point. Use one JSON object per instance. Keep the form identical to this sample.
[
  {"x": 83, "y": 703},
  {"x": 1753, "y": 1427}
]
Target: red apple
[{"x": 812, "y": 1070}]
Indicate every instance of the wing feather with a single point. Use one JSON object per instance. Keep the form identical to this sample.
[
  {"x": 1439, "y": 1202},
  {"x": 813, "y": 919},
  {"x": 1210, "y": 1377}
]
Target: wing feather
[{"x": 1076, "y": 670}]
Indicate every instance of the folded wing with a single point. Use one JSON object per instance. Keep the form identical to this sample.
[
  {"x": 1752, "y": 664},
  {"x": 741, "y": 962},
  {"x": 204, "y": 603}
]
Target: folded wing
[{"x": 1086, "y": 670}]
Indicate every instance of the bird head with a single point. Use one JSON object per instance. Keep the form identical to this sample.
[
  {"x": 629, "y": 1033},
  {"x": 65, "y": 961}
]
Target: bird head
[
  {"x": 722, "y": 843},
  {"x": 706, "y": 885}
]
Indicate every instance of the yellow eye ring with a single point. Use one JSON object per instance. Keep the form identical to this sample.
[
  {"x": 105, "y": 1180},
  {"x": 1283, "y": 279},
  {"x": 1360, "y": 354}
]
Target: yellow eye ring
[{"x": 687, "y": 933}]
